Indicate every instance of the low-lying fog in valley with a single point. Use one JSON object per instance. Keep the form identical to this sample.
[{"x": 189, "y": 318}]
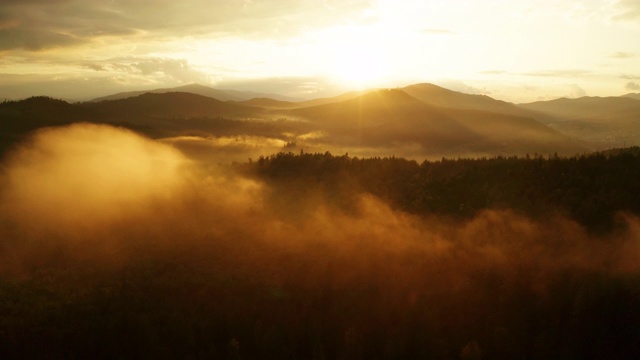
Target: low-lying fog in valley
[
  {"x": 320, "y": 180},
  {"x": 114, "y": 243}
]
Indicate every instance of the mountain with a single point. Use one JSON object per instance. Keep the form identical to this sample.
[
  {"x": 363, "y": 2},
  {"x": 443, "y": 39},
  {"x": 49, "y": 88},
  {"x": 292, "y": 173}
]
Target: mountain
[
  {"x": 604, "y": 121},
  {"x": 168, "y": 105},
  {"x": 267, "y": 103},
  {"x": 330, "y": 100},
  {"x": 20, "y": 117},
  {"x": 632, "y": 96},
  {"x": 434, "y": 122},
  {"x": 441, "y": 97},
  {"x": 219, "y": 94},
  {"x": 388, "y": 117},
  {"x": 365, "y": 110},
  {"x": 586, "y": 107}
]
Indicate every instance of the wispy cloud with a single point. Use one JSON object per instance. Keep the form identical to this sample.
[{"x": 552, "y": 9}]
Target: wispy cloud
[
  {"x": 630, "y": 77},
  {"x": 493, "y": 72},
  {"x": 558, "y": 73},
  {"x": 622, "y": 55},
  {"x": 628, "y": 10},
  {"x": 93, "y": 66},
  {"x": 35, "y": 25},
  {"x": 576, "y": 91},
  {"x": 151, "y": 67},
  {"x": 632, "y": 86},
  {"x": 438, "y": 31},
  {"x": 460, "y": 86}
]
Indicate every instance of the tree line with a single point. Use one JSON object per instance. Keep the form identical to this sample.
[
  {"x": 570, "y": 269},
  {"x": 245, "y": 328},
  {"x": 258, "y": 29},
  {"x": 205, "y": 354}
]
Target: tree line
[{"x": 591, "y": 189}]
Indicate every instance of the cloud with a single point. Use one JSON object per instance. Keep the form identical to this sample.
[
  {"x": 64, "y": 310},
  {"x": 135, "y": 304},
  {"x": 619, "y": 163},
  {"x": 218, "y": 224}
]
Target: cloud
[
  {"x": 460, "y": 86},
  {"x": 215, "y": 150},
  {"x": 558, "y": 73},
  {"x": 630, "y": 77},
  {"x": 105, "y": 192},
  {"x": 106, "y": 77},
  {"x": 173, "y": 69},
  {"x": 632, "y": 86},
  {"x": 95, "y": 215},
  {"x": 297, "y": 87},
  {"x": 35, "y": 40},
  {"x": 622, "y": 55},
  {"x": 493, "y": 72},
  {"x": 85, "y": 175},
  {"x": 35, "y": 25},
  {"x": 94, "y": 66},
  {"x": 438, "y": 32},
  {"x": 38, "y": 25},
  {"x": 628, "y": 10},
  {"x": 576, "y": 91}
]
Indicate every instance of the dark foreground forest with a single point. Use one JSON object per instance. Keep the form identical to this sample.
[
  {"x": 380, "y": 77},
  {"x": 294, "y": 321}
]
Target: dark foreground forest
[{"x": 314, "y": 256}]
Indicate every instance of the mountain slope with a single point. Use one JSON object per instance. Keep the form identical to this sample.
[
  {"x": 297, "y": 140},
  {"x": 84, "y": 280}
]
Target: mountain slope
[
  {"x": 370, "y": 109},
  {"x": 586, "y": 107},
  {"x": 219, "y": 94},
  {"x": 330, "y": 100},
  {"x": 17, "y": 118},
  {"x": 441, "y": 97},
  {"x": 380, "y": 122},
  {"x": 171, "y": 104},
  {"x": 632, "y": 96},
  {"x": 393, "y": 116},
  {"x": 604, "y": 121},
  {"x": 267, "y": 103}
]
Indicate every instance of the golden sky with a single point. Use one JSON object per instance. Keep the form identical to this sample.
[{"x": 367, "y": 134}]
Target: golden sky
[{"x": 518, "y": 51}]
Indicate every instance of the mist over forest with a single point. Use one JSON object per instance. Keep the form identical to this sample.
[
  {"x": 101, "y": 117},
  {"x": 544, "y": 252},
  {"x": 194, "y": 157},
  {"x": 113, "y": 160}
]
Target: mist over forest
[{"x": 413, "y": 223}]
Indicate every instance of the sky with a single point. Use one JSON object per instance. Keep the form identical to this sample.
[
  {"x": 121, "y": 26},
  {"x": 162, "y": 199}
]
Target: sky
[{"x": 519, "y": 51}]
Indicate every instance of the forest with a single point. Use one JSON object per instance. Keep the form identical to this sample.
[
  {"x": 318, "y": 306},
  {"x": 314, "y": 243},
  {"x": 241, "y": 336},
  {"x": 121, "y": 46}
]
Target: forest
[
  {"x": 590, "y": 189},
  {"x": 316, "y": 256}
]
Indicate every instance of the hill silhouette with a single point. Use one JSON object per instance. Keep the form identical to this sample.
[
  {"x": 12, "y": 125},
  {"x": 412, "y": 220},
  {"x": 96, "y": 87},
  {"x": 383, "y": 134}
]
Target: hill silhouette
[
  {"x": 441, "y": 97},
  {"x": 267, "y": 103},
  {"x": 586, "y": 107},
  {"x": 632, "y": 96},
  {"x": 21, "y": 117},
  {"x": 219, "y": 94},
  {"x": 430, "y": 119},
  {"x": 392, "y": 116},
  {"x": 603, "y": 121},
  {"x": 172, "y": 104},
  {"x": 369, "y": 109}
]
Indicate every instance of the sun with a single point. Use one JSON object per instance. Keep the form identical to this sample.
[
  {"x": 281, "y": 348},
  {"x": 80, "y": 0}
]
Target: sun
[
  {"x": 357, "y": 56},
  {"x": 358, "y": 65}
]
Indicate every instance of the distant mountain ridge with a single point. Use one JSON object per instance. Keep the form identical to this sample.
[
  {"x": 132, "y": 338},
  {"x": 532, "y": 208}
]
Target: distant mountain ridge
[
  {"x": 170, "y": 104},
  {"x": 605, "y": 122},
  {"x": 425, "y": 115},
  {"x": 586, "y": 107},
  {"x": 218, "y": 94},
  {"x": 385, "y": 117},
  {"x": 633, "y": 96}
]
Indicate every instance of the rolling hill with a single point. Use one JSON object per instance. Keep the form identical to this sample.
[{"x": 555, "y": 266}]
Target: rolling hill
[
  {"x": 632, "y": 96},
  {"x": 429, "y": 119},
  {"x": 441, "y": 97},
  {"x": 219, "y": 94},
  {"x": 369, "y": 109},
  {"x": 18, "y": 118},
  {"x": 603, "y": 121},
  {"x": 586, "y": 107},
  {"x": 267, "y": 103},
  {"x": 171, "y": 104},
  {"x": 389, "y": 117}
]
